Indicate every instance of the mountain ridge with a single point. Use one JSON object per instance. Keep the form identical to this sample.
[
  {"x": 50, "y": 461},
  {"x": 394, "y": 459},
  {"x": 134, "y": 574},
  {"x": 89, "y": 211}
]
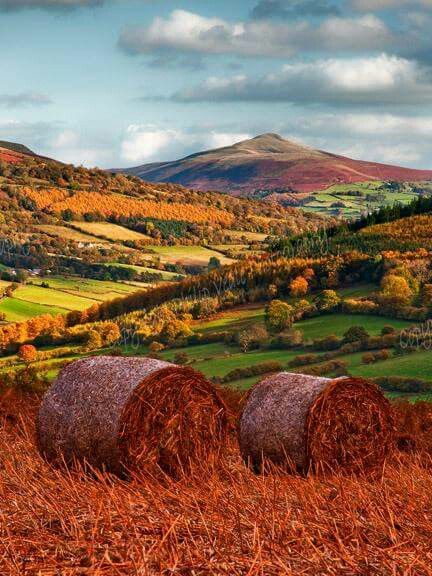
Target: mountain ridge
[{"x": 270, "y": 162}]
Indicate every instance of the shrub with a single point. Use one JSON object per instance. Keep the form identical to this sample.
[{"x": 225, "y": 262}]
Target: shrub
[
  {"x": 288, "y": 339},
  {"x": 181, "y": 358},
  {"x": 304, "y": 360},
  {"x": 255, "y": 370},
  {"x": 355, "y": 333},
  {"x": 331, "y": 342},
  {"x": 27, "y": 353},
  {"x": 278, "y": 316}
]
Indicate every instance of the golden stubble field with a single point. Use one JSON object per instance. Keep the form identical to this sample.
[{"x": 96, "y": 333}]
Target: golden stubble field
[{"x": 225, "y": 521}]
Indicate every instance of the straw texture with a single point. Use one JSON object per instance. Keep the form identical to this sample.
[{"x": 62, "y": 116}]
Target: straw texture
[
  {"x": 130, "y": 414},
  {"x": 302, "y": 422}
]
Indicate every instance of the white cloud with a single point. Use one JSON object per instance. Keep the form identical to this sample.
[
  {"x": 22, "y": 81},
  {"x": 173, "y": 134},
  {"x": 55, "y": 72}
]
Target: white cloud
[
  {"x": 144, "y": 143},
  {"x": 388, "y": 138},
  {"x": 187, "y": 32},
  {"x": 147, "y": 143},
  {"x": 379, "y": 79},
  {"x": 58, "y": 141},
  {"x": 221, "y": 139}
]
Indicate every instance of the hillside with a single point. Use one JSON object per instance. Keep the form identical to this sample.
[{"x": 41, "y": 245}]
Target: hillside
[
  {"x": 270, "y": 163},
  {"x": 12, "y": 152}
]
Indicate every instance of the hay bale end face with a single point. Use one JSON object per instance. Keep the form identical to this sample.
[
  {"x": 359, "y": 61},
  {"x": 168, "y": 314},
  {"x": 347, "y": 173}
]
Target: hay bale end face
[
  {"x": 304, "y": 422},
  {"x": 131, "y": 414}
]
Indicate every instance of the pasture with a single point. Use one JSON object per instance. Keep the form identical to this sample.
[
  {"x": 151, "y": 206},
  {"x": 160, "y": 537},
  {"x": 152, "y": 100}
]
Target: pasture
[
  {"x": 188, "y": 255},
  {"x": 109, "y": 231}
]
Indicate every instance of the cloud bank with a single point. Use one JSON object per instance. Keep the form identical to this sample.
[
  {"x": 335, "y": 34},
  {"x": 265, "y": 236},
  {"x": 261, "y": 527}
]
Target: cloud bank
[{"x": 377, "y": 80}]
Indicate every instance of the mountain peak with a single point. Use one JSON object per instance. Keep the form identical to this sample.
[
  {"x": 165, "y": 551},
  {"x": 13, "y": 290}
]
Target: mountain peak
[{"x": 270, "y": 143}]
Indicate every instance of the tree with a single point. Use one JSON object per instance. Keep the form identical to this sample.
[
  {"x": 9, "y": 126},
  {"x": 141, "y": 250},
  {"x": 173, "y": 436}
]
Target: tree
[
  {"x": 110, "y": 333},
  {"x": 395, "y": 291},
  {"x": 278, "y": 316},
  {"x": 355, "y": 334},
  {"x": 328, "y": 300},
  {"x": 94, "y": 341},
  {"x": 27, "y": 353},
  {"x": 214, "y": 263},
  {"x": 252, "y": 338},
  {"x": 156, "y": 347},
  {"x": 299, "y": 287}
]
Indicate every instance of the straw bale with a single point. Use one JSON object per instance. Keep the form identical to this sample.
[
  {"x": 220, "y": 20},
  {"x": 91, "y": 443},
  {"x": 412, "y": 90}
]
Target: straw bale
[
  {"x": 131, "y": 414},
  {"x": 301, "y": 422}
]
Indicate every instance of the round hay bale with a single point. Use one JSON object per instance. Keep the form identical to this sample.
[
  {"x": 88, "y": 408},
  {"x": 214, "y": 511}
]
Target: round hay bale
[
  {"x": 305, "y": 422},
  {"x": 131, "y": 415}
]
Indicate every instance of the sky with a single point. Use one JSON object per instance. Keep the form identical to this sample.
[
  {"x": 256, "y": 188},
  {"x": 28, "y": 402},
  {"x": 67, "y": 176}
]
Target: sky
[{"x": 115, "y": 83}]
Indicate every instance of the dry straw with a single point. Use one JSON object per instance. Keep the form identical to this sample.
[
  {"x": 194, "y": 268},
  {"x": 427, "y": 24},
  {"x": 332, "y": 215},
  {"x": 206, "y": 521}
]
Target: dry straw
[
  {"x": 132, "y": 414},
  {"x": 306, "y": 422}
]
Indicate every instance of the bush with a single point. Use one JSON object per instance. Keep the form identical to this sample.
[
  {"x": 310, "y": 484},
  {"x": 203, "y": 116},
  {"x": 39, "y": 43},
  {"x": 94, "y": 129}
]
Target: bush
[
  {"x": 304, "y": 360},
  {"x": 372, "y": 357},
  {"x": 288, "y": 339},
  {"x": 331, "y": 342},
  {"x": 352, "y": 306},
  {"x": 27, "y": 353},
  {"x": 336, "y": 367},
  {"x": 181, "y": 358},
  {"x": 26, "y": 380},
  {"x": 403, "y": 384},
  {"x": 257, "y": 369},
  {"x": 355, "y": 333}
]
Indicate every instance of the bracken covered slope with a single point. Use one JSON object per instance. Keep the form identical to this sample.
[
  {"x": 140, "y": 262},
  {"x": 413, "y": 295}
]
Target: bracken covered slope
[{"x": 269, "y": 162}]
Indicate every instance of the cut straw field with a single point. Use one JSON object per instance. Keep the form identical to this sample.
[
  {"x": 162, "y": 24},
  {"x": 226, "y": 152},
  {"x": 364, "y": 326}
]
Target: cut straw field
[{"x": 235, "y": 523}]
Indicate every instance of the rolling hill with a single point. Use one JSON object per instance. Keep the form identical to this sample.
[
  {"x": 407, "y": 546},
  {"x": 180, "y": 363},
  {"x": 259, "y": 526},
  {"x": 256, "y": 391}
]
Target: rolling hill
[{"x": 271, "y": 163}]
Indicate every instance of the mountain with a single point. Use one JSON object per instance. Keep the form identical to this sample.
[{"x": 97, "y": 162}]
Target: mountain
[
  {"x": 271, "y": 163},
  {"x": 12, "y": 152}
]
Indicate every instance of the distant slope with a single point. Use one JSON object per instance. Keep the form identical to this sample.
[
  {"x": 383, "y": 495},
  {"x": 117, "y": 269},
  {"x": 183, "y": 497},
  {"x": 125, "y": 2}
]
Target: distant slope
[
  {"x": 13, "y": 152},
  {"x": 269, "y": 162}
]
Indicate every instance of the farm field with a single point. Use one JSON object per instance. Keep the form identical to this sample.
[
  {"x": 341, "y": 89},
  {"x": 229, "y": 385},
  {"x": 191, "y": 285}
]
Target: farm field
[
  {"x": 250, "y": 236},
  {"x": 20, "y": 310},
  {"x": 336, "y": 199},
  {"x": 110, "y": 231},
  {"x": 198, "y": 255},
  {"x": 70, "y": 234},
  {"x": 166, "y": 275},
  {"x": 63, "y": 294}
]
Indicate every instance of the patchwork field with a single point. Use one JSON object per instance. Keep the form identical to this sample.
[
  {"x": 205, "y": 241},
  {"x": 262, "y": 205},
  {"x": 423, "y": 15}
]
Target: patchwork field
[
  {"x": 70, "y": 234},
  {"x": 188, "y": 255},
  {"x": 166, "y": 275},
  {"x": 62, "y": 295},
  {"x": 110, "y": 231},
  {"x": 339, "y": 198}
]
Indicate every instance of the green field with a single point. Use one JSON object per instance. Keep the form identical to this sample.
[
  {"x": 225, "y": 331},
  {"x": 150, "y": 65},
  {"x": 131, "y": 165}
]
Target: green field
[
  {"x": 354, "y": 206},
  {"x": 51, "y": 297},
  {"x": 20, "y": 310},
  {"x": 63, "y": 294},
  {"x": 317, "y": 327},
  {"x": 337, "y": 324}
]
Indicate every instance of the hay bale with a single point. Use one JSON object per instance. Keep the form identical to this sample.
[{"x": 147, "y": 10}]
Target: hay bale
[
  {"x": 307, "y": 422},
  {"x": 131, "y": 414}
]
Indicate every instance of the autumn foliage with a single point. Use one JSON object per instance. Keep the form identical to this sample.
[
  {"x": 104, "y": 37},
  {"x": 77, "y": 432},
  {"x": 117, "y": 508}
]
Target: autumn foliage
[
  {"x": 27, "y": 353},
  {"x": 80, "y": 203}
]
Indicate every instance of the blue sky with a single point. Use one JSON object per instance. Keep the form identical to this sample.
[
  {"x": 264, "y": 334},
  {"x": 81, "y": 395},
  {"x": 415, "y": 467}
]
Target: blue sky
[{"x": 123, "y": 82}]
